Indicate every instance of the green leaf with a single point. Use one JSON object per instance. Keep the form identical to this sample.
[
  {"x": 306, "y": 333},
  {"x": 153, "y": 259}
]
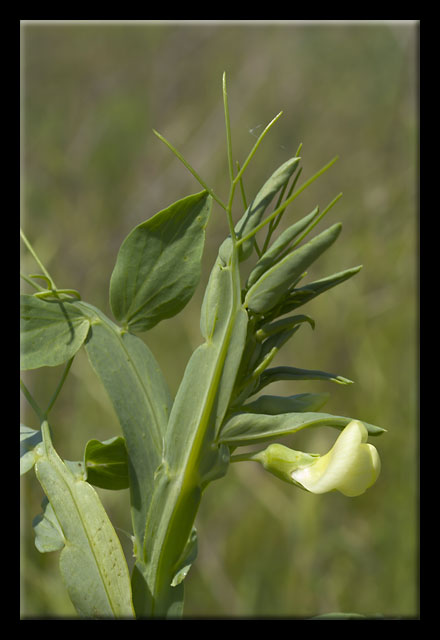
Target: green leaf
[
  {"x": 254, "y": 213},
  {"x": 273, "y": 405},
  {"x": 92, "y": 563},
  {"x": 272, "y": 286},
  {"x": 188, "y": 557},
  {"x": 270, "y": 256},
  {"x": 301, "y": 295},
  {"x": 248, "y": 428},
  {"x": 141, "y": 399},
  {"x": 293, "y": 373},
  {"x": 48, "y": 533},
  {"x": 159, "y": 263},
  {"x": 273, "y": 328},
  {"x": 30, "y": 443},
  {"x": 106, "y": 463},
  {"x": 51, "y": 331}
]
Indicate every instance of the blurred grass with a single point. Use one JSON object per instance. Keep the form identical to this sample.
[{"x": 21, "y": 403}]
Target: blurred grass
[{"x": 93, "y": 169}]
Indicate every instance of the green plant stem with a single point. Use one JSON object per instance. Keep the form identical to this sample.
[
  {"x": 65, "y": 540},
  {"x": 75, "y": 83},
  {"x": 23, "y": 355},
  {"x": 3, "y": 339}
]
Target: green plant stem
[
  {"x": 37, "y": 259},
  {"x": 243, "y": 194},
  {"x": 190, "y": 169},
  {"x": 255, "y": 147},
  {"x": 32, "y": 283},
  {"x": 59, "y": 387},
  {"x": 228, "y": 129},
  {"x": 42, "y": 415},
  {"x": 230, "y": 162},
  {"x": 27, "y": 394},
  {"x": 243, "y": 457}
]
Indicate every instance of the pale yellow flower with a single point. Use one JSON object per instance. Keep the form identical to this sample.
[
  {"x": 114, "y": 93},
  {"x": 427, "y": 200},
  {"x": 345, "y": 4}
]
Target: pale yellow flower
[{"x": 351, "y": 466}]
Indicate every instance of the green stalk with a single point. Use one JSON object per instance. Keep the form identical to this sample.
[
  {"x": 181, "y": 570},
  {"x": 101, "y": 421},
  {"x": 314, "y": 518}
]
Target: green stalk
[
  {"x": 256, "y": 145},
  {"x": 59, "y": 387},
  {"x": 27, "y": 394},
  {"x": 37, "y": 259},
  {"x": 190, "y": 168}
]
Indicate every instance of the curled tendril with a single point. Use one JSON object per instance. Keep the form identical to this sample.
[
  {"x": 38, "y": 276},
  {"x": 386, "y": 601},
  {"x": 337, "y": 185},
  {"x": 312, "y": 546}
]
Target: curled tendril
[
  {"x": 50, "y": 284},
  {"x": 57, "y": 294}
]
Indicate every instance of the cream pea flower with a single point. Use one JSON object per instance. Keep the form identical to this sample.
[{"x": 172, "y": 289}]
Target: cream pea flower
[{"x": 351, "y": 466}]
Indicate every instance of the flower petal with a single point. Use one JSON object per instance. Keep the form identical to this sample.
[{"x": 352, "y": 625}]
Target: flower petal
[{"x": 351, "y": 466}]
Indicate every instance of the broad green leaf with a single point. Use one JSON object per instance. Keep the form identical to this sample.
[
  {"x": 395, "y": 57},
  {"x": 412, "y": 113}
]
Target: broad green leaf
[
  {"x": 273, "y": 405},
  {"x": 92, "y": 562},
  {"x": 30, "y": 443},
  {"x": 159, "y": 263},
  {"x": 244, "y": 429},
  {"x": 270, "y": 256},
  {"x": 272, "y": 286},
  {"x": 140, "y": 397},
  {"x": 106, "y": 463},
  {"x": 293, "y": 373},
  {"x": 51, "y": 331}
]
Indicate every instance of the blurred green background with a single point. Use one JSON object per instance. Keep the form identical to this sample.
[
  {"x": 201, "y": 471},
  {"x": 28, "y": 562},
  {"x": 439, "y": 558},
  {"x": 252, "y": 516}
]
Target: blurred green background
[{"x": 93, "y": 169}]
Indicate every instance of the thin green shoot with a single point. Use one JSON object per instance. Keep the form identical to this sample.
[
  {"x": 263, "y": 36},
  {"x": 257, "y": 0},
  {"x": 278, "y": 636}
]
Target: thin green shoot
[
  {"x": 32, "y": 283},
  {"x": 42, "y": 415},
  {"x": 59, "y": 387},
  {"x": 243, "y": 194},
  {"x": 230, "y": 162},
  {"x": 228, "y": 129},
  {"x": 37, "y": 259},
  {"x": 27, "y": 394},
  {"x": 256, "y": 145},
  {"x": 190, "y": 169},
  {"x": 276, "y": 221}
]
